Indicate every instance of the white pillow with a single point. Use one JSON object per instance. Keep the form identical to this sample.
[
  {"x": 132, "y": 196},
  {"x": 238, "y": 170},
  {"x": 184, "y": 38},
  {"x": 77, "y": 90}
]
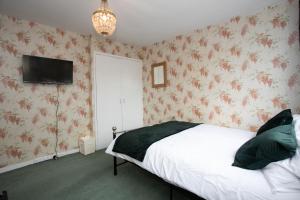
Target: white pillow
[{"x": 284, "y": 176}]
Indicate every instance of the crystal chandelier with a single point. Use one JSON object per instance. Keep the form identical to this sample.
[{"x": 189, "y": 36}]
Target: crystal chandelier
[{"x": 104, "y": 20}]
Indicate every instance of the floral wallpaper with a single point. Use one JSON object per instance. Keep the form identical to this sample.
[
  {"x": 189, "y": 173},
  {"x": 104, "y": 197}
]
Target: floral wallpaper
[
  {"x": 100, "y": 44},
  {"x": 27, "y": 111},
  {"x": 236, "y": 74}
]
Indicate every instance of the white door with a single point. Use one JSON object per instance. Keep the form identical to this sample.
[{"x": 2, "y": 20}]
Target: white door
[
  {"x": 118, "y": 96},
  {"x": 108, "y": 105},
  {"x": 132, "y": 94}
]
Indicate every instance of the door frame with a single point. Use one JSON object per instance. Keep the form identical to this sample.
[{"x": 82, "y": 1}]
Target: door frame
[{"x": 94, "y": 90}]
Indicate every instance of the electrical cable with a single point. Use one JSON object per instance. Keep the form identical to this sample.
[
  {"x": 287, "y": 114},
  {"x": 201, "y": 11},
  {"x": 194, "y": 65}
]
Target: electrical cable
[{"x": 55, "y": 157}]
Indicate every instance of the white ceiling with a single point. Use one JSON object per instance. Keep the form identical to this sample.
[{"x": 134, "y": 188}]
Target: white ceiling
[{"x": 140, "y": 22}]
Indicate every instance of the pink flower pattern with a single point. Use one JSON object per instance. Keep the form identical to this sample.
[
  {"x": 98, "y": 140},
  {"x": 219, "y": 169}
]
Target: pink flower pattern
[
  {"x": 27, "y": 123},
  {"x": 237, "y": 74}
]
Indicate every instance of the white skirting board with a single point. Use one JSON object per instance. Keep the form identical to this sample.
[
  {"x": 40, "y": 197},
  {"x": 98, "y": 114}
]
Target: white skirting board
[{"x": 37, "y": 160}]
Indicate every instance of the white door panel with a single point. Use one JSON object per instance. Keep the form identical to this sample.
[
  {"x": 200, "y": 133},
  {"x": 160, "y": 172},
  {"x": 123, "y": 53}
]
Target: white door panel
[
  {"x": 132, "y": 94},
  {"x": 108, "y": 99},
  {"x": 118, "y": 96}
]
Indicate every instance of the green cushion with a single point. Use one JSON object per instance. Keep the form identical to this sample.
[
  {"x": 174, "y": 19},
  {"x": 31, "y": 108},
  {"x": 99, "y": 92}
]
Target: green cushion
[
  {"x": 285, "y": 117},
  {"x": 273, "y": 145}
]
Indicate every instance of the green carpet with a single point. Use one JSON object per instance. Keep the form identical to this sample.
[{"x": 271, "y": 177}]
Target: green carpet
[{"x": 79, "y": 177}]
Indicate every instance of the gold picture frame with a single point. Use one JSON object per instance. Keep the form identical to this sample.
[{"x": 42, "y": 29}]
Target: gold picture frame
[{"x": 159, "y": 75}]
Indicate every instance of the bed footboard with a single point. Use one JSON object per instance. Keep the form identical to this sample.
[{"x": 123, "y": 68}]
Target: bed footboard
[
  {"x": 4, "y": 196},
  {"x": 116, "y": 164}
]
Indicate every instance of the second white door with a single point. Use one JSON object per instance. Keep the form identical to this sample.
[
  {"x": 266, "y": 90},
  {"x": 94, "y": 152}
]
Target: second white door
[{"x": 118, "y": 96}]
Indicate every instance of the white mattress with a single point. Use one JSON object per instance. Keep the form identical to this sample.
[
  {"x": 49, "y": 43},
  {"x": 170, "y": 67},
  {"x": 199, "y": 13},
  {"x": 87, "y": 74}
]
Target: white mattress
[{"x": 199, "y": 160}]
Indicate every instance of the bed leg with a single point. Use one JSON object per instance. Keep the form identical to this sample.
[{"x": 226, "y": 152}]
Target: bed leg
[
  {"x": 115, "y": 166},
  {"x": 171, "y": 192},
  {"x": 114, "y": 129},
  {"x": 4, "y": 196}
]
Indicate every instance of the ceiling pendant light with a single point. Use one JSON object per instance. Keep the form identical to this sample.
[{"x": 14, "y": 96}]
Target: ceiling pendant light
[{"x": 104, "y": 20}]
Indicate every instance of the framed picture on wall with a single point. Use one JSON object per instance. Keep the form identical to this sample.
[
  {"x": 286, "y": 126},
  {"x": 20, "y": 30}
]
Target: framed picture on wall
[{"x": 159, "y": 75}]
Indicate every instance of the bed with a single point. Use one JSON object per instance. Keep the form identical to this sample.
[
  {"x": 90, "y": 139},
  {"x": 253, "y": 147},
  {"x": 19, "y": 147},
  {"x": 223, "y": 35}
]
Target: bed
[{"x": 190, "y": 160}]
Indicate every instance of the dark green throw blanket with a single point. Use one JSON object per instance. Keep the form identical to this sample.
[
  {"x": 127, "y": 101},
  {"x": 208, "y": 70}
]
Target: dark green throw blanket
[{"x": 136, "y": 142}]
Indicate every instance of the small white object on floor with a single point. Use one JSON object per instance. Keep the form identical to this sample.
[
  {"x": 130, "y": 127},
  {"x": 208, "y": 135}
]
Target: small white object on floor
[{"x": 87, "y": 145}]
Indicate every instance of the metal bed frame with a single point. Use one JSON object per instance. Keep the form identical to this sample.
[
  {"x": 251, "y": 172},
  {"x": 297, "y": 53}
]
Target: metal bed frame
[
  {"x": 171, "y": 187},
  {"x": 4, "y": 196}
]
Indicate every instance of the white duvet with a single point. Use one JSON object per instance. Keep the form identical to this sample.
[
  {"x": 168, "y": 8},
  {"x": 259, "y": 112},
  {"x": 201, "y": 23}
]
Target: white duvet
[{"x": 199, "y": 160}]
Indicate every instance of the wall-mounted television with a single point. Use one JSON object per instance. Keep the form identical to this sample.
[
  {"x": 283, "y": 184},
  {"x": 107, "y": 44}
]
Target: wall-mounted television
[{"x": 47, "y": 70}]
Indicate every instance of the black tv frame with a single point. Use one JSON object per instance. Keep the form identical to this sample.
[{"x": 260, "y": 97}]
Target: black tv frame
[{"x": 47, "y": 82}]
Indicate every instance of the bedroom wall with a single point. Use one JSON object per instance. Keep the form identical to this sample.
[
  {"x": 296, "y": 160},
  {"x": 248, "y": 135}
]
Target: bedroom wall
[
  {"x": 27, "y": 111},
  {"x": 109, "y": 46},
  {"x": 248, "y": 78},
  {"x": 235, "y": 74}
]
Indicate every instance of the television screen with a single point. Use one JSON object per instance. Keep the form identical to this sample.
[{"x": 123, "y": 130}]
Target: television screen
[{"x": 47, "y": 70}]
